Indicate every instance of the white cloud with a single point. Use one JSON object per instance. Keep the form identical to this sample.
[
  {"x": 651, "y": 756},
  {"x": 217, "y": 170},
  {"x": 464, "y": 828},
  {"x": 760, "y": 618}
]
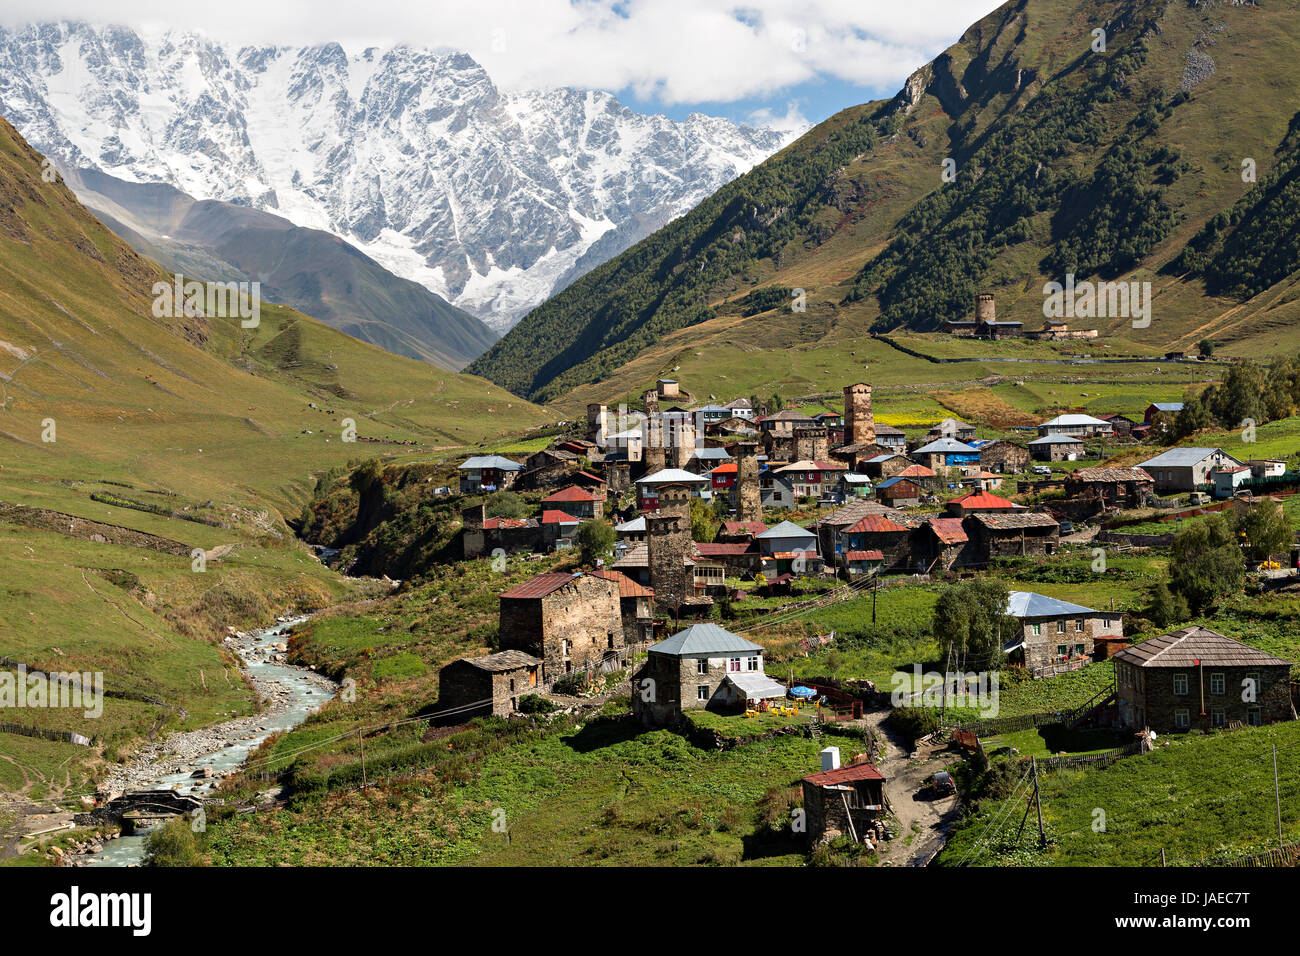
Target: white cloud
[{"x": 672, "y": 51}]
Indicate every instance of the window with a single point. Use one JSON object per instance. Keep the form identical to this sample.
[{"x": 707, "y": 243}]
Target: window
[
  {"x": 564, "y": 647},
  {"x": 1218, "y": 685},
  {"x": 1180, "y": 685},
  {"x": 512, "y": 685},
  {"x": 1254, "y": 717},
  {"x": 702, "y": 666},
  {"x": 1079, "y": 650},
  {"x": 733, "y": 665},
  {"x": 702, "y": 692},
  {"x": 1217, "y": 717},
  {"x": 751, "y": 664},
  {"x": 1038, "y": 629},
  {"x": 1078, "y": 625},
  {"x": 1182, "y": 719},
  {"x": 1060, "y": 627},
  {"x": 1062, "y": 650}
]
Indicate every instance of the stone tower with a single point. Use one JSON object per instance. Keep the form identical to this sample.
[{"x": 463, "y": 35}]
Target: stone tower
[
  {"x": 859, "y": 424},
  {"x": 986, "y": 311},
  {"x": 811, "y": 443},
  {"x": 749, "y": 499},
  {"x": 668, "y": 537},
  {"x": 597, "y": 427},
  {"x": 652, "y": 452}
]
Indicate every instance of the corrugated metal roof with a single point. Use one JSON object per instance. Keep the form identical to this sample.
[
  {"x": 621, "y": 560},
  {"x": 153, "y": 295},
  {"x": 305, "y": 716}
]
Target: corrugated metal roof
[
  {"x": 876, "y": 524},
  {"x": 850, "y": 774},
  {"x": 552, "y": 516},
  {"x": 672, "y": 476},
  {"x": 752, "y": 527},
  {"x": 1055, "y": 439},
  {"x": 946, "y": 446},
  {"x": 540, "y": 586},
  {"x": 1065, "y": 421},
  {"x": 572, "y": 493},
  {"x": 1032, "y": 604},
  {"x": 1185, "y": 647},
  {"x": 864, "y": 556},
  {"x": 491, "y": 461},
  {"x": 949, "y": 530},
  {"x": 1106, "y": 475},
  {"x": 633, "y": 526},
  {"x": 786, "y": 529},
  {"x": 981, "y": 500},
  {"x": 704, "y": 638},
  {"x": 1182, "y": 458}
]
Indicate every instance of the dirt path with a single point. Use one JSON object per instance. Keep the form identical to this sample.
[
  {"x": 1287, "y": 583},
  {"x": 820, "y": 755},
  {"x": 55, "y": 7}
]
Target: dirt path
[{"x": 923, "y": 822}]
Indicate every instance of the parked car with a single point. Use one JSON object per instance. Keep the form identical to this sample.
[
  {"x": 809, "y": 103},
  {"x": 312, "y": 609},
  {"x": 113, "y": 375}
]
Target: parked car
[
  {"x": 943, "y": 784},
  {"x": 1198, "y": 498},
  {"x": 1066, "y": 527},
  {"x": 1042, "y": 470}
]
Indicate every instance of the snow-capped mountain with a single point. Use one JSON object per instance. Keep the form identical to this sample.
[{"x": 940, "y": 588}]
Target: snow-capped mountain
[{"x": 487, "y": 198}]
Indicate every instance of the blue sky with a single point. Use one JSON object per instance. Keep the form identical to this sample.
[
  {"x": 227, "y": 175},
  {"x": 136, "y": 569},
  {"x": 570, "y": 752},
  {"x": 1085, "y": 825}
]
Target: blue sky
[{"x": 800, "y": 60}]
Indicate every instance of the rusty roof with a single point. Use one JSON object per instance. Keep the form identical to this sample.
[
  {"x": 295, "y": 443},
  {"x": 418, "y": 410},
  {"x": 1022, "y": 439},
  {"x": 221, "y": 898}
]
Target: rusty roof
[
  {"x": 949, "y": 530},
  {"x": 864, "y": 556},
  {"x": 721, "y": 549},
  {"x": 735, "y": 527},
  {"x": 1186, "y": 647},
  {"x": 977, "y": 500},
  {"x": 850, "y": 774},
  {"x": 552, "y": 516},
  {"x": 857, "y": 510},
  {"x": 915, "y": 471},
  {"x": 876, "y": 524},
  {"x": 572, "y": 493},
  {"x": 540, "y": 586},
  {"x": 626, "y": 586}
]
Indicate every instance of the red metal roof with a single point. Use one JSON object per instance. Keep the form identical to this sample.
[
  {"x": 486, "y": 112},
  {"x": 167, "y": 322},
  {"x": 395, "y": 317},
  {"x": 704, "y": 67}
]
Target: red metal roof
[
  {"x": 727, "y": 468},
  {"x": 865, "y": 556},
  {"x": 540, "y": 586},
  {"x": 551, "y": 516},
  {"x": 876, "y": 524},
  {"x": 849, "y": 774},
  {"x": 499, "y": 523},
  {"x": 735, "y": 527},
  {"x": 915, "y": 471},
  {"x": 981, "y": 501},
  {"x": 719, "y": 549},
  {"x": 572, "y": 493}
]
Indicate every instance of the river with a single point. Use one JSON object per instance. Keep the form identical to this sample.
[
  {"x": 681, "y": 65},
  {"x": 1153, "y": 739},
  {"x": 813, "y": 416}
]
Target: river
[{"x": 292, "y": 693}]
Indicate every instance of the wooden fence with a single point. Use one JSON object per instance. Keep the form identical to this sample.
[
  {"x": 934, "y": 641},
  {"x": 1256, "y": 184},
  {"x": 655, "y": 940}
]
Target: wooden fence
[{"x": 1068, "y": 761}]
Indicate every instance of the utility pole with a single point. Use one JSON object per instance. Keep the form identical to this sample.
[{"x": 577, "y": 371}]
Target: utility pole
[
  {"x": 947, "y": 668},
  {"x": 1277, "y": 797},
  {"x": 1038, "y": 802},
  {"x": 875, "y": 588}
]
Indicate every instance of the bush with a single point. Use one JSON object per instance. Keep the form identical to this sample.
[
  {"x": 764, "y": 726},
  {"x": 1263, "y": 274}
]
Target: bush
[
  {"x": 532, "y": 704},
  {"x": 913, "y": 722},
  {"x": 174, "y": 844},
  {"x": 572, "y": 685}
]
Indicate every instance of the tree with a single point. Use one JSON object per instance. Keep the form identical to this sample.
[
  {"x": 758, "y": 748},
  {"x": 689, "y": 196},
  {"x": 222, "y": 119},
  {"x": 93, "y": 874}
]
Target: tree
[
  {"x": 972, "y": 617},
  {"x": 1206, "y": 563},
  {"x": 1264, "y": 528},
  {"x": 1167, "y": 608},
  {"x": 1205, "y": 348},
  {"x": 595, "y": 540},
  {"x": 703, "y": 525},
  {"x": 505, "y": 504},
  {"x": 174, "y": 844}
]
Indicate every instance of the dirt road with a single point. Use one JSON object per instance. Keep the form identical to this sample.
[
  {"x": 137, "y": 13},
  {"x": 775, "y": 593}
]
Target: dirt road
[{"x": 923, "y": 821}]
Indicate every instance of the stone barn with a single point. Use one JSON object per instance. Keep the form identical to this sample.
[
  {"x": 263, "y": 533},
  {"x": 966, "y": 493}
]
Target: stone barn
[
  {"x": 487, "y": 686},
  {"x": 844, "y": 801},
  {"x": 1009, "y": 535},
  {"x": 573, "y": 622}
]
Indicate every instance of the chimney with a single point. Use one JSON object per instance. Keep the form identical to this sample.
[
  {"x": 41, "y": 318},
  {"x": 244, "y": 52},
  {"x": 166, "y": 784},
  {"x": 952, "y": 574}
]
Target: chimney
[{"x": 831, "y": 758}]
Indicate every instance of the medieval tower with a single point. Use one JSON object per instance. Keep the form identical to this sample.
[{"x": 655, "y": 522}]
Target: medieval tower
[
  {"x": 749, "y": 500},
  {"x": 812, "y": 443},
  {"x": 668, "y": 537},
  {"x": 652, "y": 452},
  {"x": 986, "y": 311},
  {"x": 859, "y": 424}
]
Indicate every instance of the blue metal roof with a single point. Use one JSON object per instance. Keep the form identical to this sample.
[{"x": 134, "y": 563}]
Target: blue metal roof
[
  {"x": 1182, "y": 458},
  {"x": 703, "y": 639},
  {"x": 1032, "y": 604}
]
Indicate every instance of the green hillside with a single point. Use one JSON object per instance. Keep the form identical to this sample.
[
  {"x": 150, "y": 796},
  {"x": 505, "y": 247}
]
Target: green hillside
[
  {"x": 1065, "y": 159},
  {"x": 173, "y": 434}
]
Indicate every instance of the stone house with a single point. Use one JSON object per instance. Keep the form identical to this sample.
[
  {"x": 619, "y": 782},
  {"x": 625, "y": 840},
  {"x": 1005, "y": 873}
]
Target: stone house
[
  {"x": 1004, "y": 456},
  {"x": 1186, "y": 469},
  {"x": 946, "y": 453},
  {"x": 1009, "y": 535},
  {"x": 830, "y": 529},
  {"x": 636, "y": 606},
  {"x": 775, "y": 491},
  {"x": 891, "y": 538},
  {"x": 1056, "y": 448},
  {"x": 863, "y": 563},
  {"x": 738, "y": 558},
  {"x": 843, "y": 801},
  {"x": 702, "y": 666},
  {"x": 810, "y": 479},
  {"x": 573, "y": 622},
  {"x": 942, "y": 544},
  {"x": 1076, "y": 426},
  {"x": 1157, "y": 409},
  {"x": 481, "y": 535},
  {"x": 488, "y": 686},
  {"x": 953, "y": 428},
  {"x": 1195, "y": 678},
  {"x": 885, "y": 466},
  {"x": 1056, "y": 632},
  {"x": 647, "y": 488},
  {"x": 1125, "y": 487},
  {"x": 548, "y": 467},
  {"x": 895, "y": 439}
]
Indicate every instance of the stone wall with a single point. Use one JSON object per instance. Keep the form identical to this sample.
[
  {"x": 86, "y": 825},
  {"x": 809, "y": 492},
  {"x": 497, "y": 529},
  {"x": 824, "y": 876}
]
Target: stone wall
[
  {"x": 1040, "y": 649},
  {"x": 749, "y": 502},
  {"x": 859, "y": 421},
  {"x": 570, "y": 629},
  {"x": 1152, "y": 701}
]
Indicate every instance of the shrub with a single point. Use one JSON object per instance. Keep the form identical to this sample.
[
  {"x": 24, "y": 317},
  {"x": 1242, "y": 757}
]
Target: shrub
[{"x": 532, "y": 704}]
